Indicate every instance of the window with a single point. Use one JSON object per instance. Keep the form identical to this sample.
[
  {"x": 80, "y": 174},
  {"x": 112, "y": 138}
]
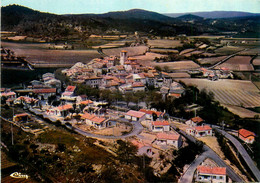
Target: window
[{"x": 209, "y": 131}]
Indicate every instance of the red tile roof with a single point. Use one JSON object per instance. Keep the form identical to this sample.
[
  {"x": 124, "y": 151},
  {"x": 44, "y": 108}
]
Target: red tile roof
[
  {"x": 88, "y": 116},
  {"x": 86, "y": 102},
  {"x": 160, "y": 123},
  {"x": 97, "y": 119},
  {"x": 70, "y": 88},
  {"x": 245, "y": 133},
  {"x": 165, "y": 136},
  {"x": 137, "y": 84},
  {"x": 22, "y": 115},
  {"x": 212, "y": 170},
  {"x": 203, "y": 128},
  {"x": 45, "y": 90},
  {"x": 197, "y": 119},
  {"x": 151, "y": 112},
  {"x": 124, "y": 51},
  {"x": 136, "y": 114},
  {"x": 64, "y": 107},
  {"x": 6, "y": 94}
]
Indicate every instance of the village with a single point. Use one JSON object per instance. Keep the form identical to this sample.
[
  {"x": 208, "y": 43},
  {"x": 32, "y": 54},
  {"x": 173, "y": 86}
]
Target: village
[{"x": 154, "y": 133}]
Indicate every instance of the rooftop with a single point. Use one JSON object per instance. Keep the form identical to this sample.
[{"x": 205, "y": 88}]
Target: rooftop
[
  {"x": 165, "y": 136},
  {"x": 160, "y": 123},
  {"x": 135, "y": 113},
  {"x": 151, "y": 112},
  {"x": 212, "y": 170},
  {"x": 197, "y": 119},
  {"x": 203, "y": 128},
  {"x": 245, "y": 133}
]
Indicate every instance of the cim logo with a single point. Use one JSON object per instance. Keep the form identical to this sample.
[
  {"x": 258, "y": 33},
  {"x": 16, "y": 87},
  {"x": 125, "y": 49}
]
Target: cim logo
[{"x": 18, "y": 175}]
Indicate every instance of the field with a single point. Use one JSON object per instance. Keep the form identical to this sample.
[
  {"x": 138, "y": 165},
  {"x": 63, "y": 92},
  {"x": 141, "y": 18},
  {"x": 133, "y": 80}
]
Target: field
[
  {"x": 39, "y": 54},
  {"x": 113, "y": 44},
  {"x": 178, "y": 65},
  {"x": 237, "y": 63},
  {"x": 211, "y": 61},
  {"x": 228, "y": 50},
  {"x": 131, "y": 51},
  {"x": 242, "y": 112},
  {"x": 232, "y": 92},
  {"x": 164, "y": 51},
  {"x": 253, "y": 51},
  {"x": 256, "y": 61},
  {"x": 164, "y": 43}
]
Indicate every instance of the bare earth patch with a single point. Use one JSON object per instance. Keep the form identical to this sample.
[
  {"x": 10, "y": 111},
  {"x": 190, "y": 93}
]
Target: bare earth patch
[{"x": 241, "y": 112}]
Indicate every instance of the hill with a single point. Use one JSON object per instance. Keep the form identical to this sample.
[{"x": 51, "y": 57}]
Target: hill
[
  {"x": 51, "y": 27},
  {"x": 190, "y": 17},
  {"x": 216, "y": 14}
]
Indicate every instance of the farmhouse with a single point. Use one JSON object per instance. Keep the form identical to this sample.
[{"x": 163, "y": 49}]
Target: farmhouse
[
  {"x": 246, "y": 136},
  {"x": 169, "y": 139},
  {"x": 149, "y": 113},
  {"x": 200, "y": 131},
  {"x": 211, "y": 174},
  {"x": 94, "y": 120},
  {"x": 196, "y": 121},
  {"x": 135, "y": 115},
  {"x": 160, "y": 126}
]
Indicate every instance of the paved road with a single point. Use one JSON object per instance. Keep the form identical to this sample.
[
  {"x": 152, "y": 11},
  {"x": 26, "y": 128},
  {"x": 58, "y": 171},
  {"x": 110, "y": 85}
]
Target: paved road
[
  {"x": 208, "y": 153},
  {"x": 242, "y": 152},
  {"x": 188, "y": 175}
]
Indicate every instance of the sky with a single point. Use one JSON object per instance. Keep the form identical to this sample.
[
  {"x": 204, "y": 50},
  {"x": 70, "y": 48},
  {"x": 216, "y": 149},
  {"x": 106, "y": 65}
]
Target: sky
[{"x": 160, "y": 6}]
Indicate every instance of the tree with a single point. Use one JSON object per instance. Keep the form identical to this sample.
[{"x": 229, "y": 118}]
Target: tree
[
  {"x": 158, "y": 68},
  {"x": 126, "y": 151}
]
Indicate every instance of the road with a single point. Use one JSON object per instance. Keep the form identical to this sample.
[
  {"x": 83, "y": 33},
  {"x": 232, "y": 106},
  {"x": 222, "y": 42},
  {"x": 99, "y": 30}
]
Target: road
[
  {"x": 242, "y": 152},
  {"x": 208, "y": 153}
]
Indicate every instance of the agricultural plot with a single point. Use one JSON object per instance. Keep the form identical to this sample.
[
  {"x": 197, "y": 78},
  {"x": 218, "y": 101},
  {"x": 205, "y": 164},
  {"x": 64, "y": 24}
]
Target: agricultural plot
[
  {"x": 256, "y": 61},
  {"x": 114, "y": 44},
  {"x": 164, "y": 51},
  {"x": 164, "y": 43},
  {"x": 186, "y": 51},
  {"x": 178, "y": 65},
  {"x": 210, "y": 61},
  {"x": 193, "y": 53},
  {"x": 232, "y": 92},
  {"x": 228, "y": 50},
  {"x": 253, "y": 51},
  {"x": 38, "y": 54},
  {"x": 131, "y": 51},
  {"x": 237, "y": 63},
  {"x": 240, "y": 111}
]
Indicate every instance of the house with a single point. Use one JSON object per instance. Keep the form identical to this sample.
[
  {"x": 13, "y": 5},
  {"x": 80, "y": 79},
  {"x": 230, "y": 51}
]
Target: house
[
  {"x": 135, "y": 115},
  {"x": 196, "y": 121},
  {"x": 69, "y": 94},
  {"x": 23, "y": 117},
  {"x": 138, "y": 86},
  {"x": 95, "y": 121},
  {"x": 246, "y": 136},
  {"x": 94, "y": 81},
  {"x": 149, "y": 113},
  {"x": 44, "y": 93},
  {"x": 142, "y": 148},
  {"x": 169, "y": 139},
  {"x": 200, "y": 131},
  {"x": 160, "y": 126},
  {"x": 8, "y": 95},
  {"x": 62, "y": 110},
  {"x": 211, "y": 174},
  {"x": 25, "y": 100}
]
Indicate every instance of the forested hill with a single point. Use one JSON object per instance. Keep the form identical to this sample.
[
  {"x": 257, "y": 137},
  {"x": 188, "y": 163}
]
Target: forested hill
[{"x": 26, "y": 21}]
